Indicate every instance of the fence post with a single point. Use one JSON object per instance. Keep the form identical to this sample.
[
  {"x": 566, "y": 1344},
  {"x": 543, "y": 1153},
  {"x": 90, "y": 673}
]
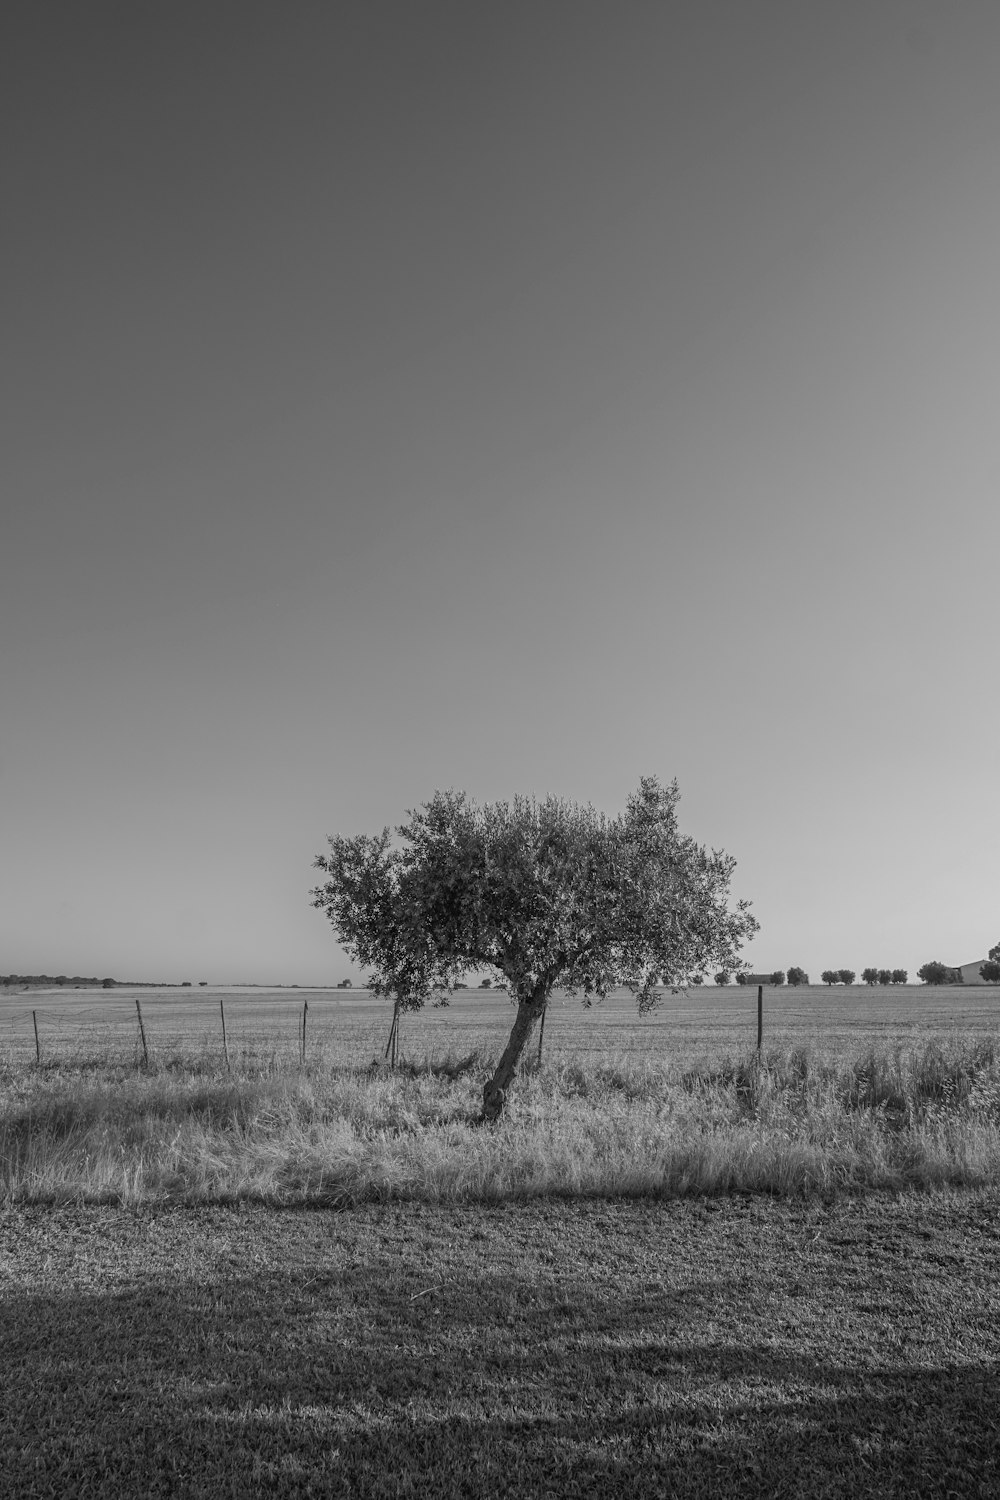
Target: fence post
[
  {"x": 225, "y": 1044},
  {"x": 142, "y": 1032},
  {"x": 390, "y": 1046},
  {"x": 38, "y": 1050},
  {"x": 760, "y": 1016},
  {"x": 305, "y": 1012}
]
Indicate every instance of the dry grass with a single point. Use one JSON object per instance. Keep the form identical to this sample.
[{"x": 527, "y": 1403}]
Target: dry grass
[{"x": 797, "y": 1120}]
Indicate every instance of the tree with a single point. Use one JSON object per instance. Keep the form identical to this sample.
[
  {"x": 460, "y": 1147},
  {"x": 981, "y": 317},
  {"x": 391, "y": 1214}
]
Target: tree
[
  {"x": 869, "y": 976},
  {"x": 936, "y": 972},
  {"x": 539, "y": 893},
  {"x": 885, "y": 976},
  {"x": 797, "y": 976},
  {"x": 830, "y": 976},
  {"x": 846, "y": 976},
  {"x": 778, "y": 977},
  {"x": 899, "y": 976},
  {"x": 722, "y": 977},
  {"x": 990, "y": 970}
]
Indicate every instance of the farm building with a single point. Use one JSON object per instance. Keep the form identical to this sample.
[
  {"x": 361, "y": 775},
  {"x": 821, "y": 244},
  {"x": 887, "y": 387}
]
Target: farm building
[{"x": 970, "y": 972}]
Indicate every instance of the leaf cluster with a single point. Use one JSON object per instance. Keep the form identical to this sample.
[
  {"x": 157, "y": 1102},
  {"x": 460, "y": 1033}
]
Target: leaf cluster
[{"x": 538, "y": 892}]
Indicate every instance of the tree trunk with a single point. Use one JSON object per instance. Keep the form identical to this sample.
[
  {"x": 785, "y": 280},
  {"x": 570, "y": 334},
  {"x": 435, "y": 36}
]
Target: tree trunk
[{"x": 529, "y": 1013}]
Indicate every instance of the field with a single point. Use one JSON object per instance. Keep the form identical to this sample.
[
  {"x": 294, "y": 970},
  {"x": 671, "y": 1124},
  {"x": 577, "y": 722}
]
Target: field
[
  {"x": 350, "y": 1028},
  {"x": 674, "y": 1267}
]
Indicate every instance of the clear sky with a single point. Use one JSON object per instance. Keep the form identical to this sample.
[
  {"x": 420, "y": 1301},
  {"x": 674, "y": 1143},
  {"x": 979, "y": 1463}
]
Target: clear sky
[{"x": 513, "y": 397}]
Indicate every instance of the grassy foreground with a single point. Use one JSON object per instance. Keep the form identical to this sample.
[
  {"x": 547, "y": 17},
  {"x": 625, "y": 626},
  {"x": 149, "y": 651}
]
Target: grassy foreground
[
  {"x": 741, "y": 1346},
  {"x": 795, "y": 1121}
]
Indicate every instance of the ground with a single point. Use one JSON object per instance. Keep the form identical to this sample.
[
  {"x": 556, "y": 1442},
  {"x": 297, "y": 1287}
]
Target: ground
[{"x": 715, "y": 1346}]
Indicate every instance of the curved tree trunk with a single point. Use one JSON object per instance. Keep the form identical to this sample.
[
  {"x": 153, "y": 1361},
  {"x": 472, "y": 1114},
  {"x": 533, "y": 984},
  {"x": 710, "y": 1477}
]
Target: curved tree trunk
[{"x": 529, "y": 1012}]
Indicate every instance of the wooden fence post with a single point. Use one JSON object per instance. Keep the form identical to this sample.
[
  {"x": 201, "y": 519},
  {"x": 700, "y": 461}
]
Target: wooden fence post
[
  {"x": 142, "y": 1032},
  {"x": 760, "y": 1016},
  {"x": 225, "y": 1044},
  {"x": 305, "y": 1012},
  {"x": 38, "y": 1050},
  {"x": 390, "y": 1046}
]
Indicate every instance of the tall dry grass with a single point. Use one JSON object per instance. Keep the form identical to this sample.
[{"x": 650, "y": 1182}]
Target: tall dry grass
[{"x": 794, "y": 1121}]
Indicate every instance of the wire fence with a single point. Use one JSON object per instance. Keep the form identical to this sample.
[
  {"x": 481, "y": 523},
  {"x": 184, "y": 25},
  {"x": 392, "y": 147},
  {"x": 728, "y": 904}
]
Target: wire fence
[{"x": 247, "y": 1028}]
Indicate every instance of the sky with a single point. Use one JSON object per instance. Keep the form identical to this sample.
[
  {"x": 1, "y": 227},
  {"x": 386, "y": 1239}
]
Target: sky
[{"x": 512, "y": 398}]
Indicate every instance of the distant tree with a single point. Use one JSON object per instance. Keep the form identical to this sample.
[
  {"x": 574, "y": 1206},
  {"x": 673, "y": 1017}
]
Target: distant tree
[
  {"x": 934, "y": 972},
  {"x": 778, "y": 977},
  {"x": 107, "y": 984},
  {"x": 185, "y": 984},
  {"x": 540, "y": 894},
  {"x": 830, "y": 976},
  {"x": 797, "y": 976},
  {"x": 486, "y": 984},
  {"x": 899, "y": 976},
  {"x": 869, "y": 976},
  {"x": 698, "y": 979},
  {"x": 203, "y": 984},
  {"x": 847, "y": 976},
  {"x": 885, "y": 976},
  {"x": 990, "y": 970},
  {"x": 722, "y": 977}
]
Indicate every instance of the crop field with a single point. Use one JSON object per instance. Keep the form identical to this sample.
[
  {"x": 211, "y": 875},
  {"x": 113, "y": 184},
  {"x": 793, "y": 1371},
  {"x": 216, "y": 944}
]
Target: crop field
[{"x": 350, "y": 1028}]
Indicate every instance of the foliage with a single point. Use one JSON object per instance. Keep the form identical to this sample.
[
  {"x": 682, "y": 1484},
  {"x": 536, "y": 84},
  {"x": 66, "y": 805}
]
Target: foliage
[
  {"x": 869, "y": 976},
  {"x": 936, "y": 972},
  {"x": 846, "y": 976},
  {"x": 723, "y": 977},
  {"x": 778, "y": 977},
  {"x": 797, "y": 976},
  {"x": 990, "y": 971},
  {"x": 899, "y": 976},
  {"x": 830, "y": 976},
  {"x": 538, "y": 893}
]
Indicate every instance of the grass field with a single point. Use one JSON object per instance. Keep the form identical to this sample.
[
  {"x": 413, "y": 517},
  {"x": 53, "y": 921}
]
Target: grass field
[
  {"x": 673, "y": 1267},
  {"x": 743, "y": 1346},
  {"x": 351, "y": 1028}
]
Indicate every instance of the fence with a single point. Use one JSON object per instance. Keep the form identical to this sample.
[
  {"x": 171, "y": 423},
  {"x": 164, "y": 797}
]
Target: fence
[{"x": 253, "y": 1028}]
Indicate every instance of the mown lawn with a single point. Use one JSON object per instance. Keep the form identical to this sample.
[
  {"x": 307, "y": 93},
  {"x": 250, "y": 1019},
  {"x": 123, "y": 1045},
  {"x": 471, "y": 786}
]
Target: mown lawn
[{"x": 699, "y": 1346}]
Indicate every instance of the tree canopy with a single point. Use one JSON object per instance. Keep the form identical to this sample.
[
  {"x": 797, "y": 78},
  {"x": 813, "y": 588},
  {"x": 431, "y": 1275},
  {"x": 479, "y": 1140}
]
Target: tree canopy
[
  {"x": 538, "y": 893},
  {"x": 990, "y": 970}
]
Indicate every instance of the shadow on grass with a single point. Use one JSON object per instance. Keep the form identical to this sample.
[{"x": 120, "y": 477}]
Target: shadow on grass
[{"x": 325, "y": 1383}]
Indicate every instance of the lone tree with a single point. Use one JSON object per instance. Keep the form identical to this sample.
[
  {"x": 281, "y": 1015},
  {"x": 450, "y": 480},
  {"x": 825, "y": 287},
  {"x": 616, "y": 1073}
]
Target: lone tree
[
  {"x": 936, "y": 972},
  {"x": 538, "y": 894},
  {"x": 797, "y": 975},
  {"x": 990, "y": 970}
]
